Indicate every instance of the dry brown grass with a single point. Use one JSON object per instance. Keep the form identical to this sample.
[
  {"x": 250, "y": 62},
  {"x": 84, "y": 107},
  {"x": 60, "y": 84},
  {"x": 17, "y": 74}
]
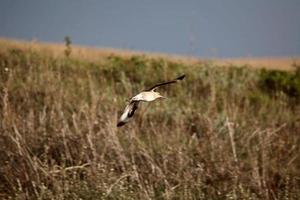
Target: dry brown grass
[
  {"x": 280, "y": 63},
  {"x": 88, "y": 53},
  {"x": 220, "y": 135}
]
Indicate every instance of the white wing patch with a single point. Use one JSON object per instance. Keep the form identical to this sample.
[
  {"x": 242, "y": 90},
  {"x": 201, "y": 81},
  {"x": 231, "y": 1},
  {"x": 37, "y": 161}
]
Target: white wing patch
[{"x": 124, "y": 116}]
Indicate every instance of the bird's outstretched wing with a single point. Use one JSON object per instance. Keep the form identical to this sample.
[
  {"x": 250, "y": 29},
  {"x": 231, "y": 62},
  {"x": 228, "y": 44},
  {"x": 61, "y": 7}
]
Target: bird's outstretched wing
[
  {"x": 128, "y": 113},
  {"x": 166, "y": 83}
]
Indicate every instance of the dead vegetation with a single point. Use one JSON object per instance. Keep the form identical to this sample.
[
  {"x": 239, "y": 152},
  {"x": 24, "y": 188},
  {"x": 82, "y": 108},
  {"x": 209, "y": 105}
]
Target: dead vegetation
[{"x": 220, "y": 135}]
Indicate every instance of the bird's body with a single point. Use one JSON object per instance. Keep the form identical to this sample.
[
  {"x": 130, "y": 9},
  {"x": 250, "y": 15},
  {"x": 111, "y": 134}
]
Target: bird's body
[{"x": 146, "y": 96}]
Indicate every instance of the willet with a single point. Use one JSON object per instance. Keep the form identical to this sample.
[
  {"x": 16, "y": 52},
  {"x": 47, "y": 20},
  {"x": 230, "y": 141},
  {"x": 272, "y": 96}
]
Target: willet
[{"x": 146, "y": 96}]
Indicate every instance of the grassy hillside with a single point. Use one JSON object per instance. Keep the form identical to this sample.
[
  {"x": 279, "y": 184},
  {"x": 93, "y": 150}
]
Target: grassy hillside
[
  {"x": 96, "y": 54},
  {"x": 223, "y": 133}
]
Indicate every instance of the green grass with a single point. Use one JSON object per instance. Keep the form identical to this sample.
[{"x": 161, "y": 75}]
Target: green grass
[{"x": 223, "y": 132}]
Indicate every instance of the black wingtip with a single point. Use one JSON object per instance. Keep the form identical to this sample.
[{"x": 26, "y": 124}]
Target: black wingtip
[
  {"x": 180, "y": 77},
  {"x": 120, "y": 124}
]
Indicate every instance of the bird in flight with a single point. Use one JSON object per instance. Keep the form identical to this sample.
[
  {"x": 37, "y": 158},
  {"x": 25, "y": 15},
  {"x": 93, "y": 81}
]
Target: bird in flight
[{"x": 146, "y": 96}]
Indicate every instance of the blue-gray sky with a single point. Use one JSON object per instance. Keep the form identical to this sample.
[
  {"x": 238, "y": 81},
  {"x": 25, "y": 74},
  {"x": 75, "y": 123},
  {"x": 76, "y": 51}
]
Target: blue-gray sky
[{"x": 203, "y": 28}]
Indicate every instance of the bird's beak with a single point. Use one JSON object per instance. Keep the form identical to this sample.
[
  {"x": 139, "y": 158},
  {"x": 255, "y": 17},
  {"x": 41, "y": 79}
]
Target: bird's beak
[{"x": 163, "y": 97}]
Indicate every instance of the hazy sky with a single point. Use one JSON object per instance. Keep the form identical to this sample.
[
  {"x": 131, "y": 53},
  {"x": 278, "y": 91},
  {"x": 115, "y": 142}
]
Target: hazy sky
[{"x": 223, "y": 28}]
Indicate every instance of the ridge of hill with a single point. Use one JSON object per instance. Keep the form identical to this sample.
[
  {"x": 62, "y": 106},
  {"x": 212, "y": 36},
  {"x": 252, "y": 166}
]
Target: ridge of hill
[{"x": 94, "y": 54}]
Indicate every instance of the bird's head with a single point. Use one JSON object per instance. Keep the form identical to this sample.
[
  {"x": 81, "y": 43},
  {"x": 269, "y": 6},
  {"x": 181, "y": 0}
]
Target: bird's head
[{"x": 157, "y": 95}]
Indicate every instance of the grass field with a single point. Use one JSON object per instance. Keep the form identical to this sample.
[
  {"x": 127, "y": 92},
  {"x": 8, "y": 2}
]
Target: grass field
[{"x": 223, "y": 133}]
